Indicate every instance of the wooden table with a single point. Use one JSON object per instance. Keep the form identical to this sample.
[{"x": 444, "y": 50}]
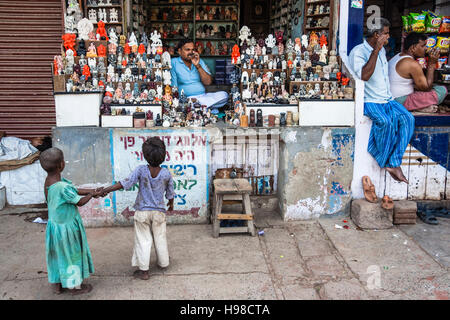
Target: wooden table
[{"x": 240, "y": 189}]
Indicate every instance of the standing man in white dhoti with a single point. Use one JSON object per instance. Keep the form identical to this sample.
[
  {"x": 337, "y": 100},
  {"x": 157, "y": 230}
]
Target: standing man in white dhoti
[{"x": 190, "y": 74}]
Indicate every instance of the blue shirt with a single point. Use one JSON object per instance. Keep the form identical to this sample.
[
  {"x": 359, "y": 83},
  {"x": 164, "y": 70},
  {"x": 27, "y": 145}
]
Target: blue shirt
[
  {"x": 187, "y": 79},
  {"x": 151, "y": 190},
  {"x": 377, "y": 88}
]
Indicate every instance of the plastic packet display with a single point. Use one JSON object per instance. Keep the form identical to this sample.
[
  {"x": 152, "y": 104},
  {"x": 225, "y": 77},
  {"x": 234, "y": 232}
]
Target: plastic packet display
[
  {"x": 417, "y": 22},
  {"x": 442, "y": 61},
  {"x": 443, "y": 44},
  {"x": 406, "y": 23},
  {"x": 431, "y": 42},
  {"x": 422, "y": 62},
  {"x": 445, "y": 25},
  {"x": 432, "y": 22}
]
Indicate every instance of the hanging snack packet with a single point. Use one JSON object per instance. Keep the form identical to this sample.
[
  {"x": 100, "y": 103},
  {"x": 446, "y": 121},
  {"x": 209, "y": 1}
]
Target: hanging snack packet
[
  {"x": 445, "y": 25},
  {"x": 441, "y": 62},
  {"x": 443, "y": 44},
  {"x": 406, "y": 23},
  {"x": 431, "y": 42},
  {"x": 433, "y": 22},
  {"x": 422, "y": 62},
  {"x": 417, "y": 22}
]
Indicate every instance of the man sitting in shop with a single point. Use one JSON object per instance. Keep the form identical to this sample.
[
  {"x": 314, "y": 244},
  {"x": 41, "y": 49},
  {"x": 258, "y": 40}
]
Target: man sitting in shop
[
  {"x": 392, "y": 125},
  {"x": 190, "y": 74},
  {"x": 409, "y": 85}
]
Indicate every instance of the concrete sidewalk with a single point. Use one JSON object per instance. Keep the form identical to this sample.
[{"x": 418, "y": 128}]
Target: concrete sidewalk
[{"x": 294, "y": 260}]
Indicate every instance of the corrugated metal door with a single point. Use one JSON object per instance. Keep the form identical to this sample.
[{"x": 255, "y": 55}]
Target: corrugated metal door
[{"x": 30, "y": 36}]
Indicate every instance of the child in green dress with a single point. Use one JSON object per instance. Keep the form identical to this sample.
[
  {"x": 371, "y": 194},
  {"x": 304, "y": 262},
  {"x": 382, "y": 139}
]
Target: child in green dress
[{"x": 68, "y": 256}]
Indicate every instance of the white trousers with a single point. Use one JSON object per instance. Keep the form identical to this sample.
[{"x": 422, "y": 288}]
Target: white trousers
[
  {"x": 149, "y": 227},
  {"x": 217, "y": 99}
]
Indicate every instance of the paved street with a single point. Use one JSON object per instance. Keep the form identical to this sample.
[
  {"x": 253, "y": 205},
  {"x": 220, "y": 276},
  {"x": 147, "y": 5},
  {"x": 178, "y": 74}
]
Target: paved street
[{"x": 295, "y": 260}]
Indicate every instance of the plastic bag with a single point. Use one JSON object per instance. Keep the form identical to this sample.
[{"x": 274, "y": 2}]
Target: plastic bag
[
  {"x": 441, "y": 62},
  {"x": 406, "y": 23},
  {"x": 445, "y": 25},
  {"x": 417, "y": 22},
  {"x": 431, "y": 42},
  {"x": 443, "y": 44},
  {"x": 432, "y": 23}
]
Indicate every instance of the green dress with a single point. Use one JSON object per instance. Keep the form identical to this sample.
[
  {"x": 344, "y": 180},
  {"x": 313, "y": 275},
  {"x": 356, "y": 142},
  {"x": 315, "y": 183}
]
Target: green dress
[{"x": 68, "y": 256}]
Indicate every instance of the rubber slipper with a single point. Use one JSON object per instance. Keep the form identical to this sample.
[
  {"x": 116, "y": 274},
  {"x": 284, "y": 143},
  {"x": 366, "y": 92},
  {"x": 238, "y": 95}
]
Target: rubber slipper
[
  {"x": 427, "y": 218},
  {"x": 369, "y": 190},
  {"x": 387, "y": 203}
]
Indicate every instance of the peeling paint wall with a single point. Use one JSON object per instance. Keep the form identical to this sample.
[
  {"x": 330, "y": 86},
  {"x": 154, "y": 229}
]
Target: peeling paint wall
[
  {"x": 316, "y": 169},
  {"x": 314, "y": 176}
]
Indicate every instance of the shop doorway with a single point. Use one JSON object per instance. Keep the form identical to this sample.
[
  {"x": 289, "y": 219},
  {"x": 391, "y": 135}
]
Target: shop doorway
[{"x": 256, "y": 15}]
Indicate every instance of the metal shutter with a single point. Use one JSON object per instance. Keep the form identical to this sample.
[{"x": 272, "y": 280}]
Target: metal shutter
[{"x": 30, "y": 36}]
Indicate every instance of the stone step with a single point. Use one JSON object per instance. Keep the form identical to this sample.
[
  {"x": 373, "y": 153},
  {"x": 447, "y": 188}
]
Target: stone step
[{"x": 367, "y": 215}]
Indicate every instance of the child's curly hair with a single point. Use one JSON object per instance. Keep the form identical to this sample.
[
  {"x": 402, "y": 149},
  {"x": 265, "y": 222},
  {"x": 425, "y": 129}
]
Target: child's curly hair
[{"x": 154, "y": 151}]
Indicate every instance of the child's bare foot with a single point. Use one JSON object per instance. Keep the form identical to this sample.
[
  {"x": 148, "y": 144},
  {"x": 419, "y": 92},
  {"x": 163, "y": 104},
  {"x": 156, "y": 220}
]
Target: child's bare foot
[
  {"x": 84, "y": 288},
  {"x": 57, "y": 288},
  {"x": 140, "y": 274}
]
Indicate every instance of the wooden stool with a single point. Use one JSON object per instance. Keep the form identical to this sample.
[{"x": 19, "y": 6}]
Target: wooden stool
[{"x": 232, "y": 187}]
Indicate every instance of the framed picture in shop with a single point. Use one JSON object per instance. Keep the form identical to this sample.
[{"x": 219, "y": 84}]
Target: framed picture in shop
[{"x": 260, "y": 10}]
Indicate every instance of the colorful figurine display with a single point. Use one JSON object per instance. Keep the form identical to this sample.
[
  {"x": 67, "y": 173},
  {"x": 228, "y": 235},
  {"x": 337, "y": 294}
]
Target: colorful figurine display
[{"x": 135, "y": 74}]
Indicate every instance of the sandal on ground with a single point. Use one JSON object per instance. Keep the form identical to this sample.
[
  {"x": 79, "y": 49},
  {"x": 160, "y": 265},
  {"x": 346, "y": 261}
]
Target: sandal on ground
[
  {"x": 85, "y": 288},
  {"x": 143, "y": 275},
  {"x": 369, "y": 190},
  {"x": 427, "y": 218},
  {"x": 387, "y": 203}
]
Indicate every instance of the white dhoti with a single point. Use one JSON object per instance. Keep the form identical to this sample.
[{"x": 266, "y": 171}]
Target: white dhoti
[{"x": 212, "y": 99}]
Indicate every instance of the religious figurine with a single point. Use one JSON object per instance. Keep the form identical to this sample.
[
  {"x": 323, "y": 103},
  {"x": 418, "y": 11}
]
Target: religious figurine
[
  {"x": 101, "y": 51},
  {"x": 113, "y": 15},
  {"x": 244, "y": 34},
  {"x": 69, "y": 41},
  {"x": 101, "y": 32},
  {"x": 92, "y": 51},
  {"x": 313, "y": 39},
  {"x": 92, "y": 15},
  {"x": 86, "y": 72},
  {"x": 84, "y": 27},
  {"x": 102, "y": 15}
]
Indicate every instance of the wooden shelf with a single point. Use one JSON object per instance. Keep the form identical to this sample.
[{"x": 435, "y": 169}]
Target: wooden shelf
[
  {"x": 316, "y": 2},
  {"x": 195, "y": 24},
  {"x": 171, "y": 21},
  {"x": 318, "y": 15},
  {"x": 101, "y": 7},
  {"x": 213, "y": 4},
  {"x": 216, "y": 21},
  {"x": 316, "y": 28}
]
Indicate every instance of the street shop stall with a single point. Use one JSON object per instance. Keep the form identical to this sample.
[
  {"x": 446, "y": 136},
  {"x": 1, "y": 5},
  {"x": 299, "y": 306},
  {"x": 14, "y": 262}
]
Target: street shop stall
[
  {"x": 425, "y": 162},
  {"x": 291, "y": 102}
]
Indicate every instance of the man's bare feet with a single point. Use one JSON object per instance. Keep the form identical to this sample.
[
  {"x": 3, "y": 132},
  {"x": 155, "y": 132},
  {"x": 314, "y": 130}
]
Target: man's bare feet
[
  {"x": 140, "y": 274},
  {"x": 430, "y": 109},
  {"x": 397, "y": 174},
  {"x": 57, "y": 288},
  {"x": 84, "y": 288}
]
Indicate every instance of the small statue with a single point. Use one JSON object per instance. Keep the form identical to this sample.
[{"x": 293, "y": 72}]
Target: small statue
[
  {"x": 92, "y": 51},
  {"x": 101, "y": 31},
  {"x": 84, "y": 27}
]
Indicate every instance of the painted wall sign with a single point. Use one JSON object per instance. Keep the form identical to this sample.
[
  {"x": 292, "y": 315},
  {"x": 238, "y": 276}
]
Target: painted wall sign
[{"x": 187, "y": 158}]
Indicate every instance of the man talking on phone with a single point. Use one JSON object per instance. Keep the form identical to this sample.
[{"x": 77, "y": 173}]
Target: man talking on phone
[
  {"x": 392, "y": 125},
  {"x": 191, "y": 74}
]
